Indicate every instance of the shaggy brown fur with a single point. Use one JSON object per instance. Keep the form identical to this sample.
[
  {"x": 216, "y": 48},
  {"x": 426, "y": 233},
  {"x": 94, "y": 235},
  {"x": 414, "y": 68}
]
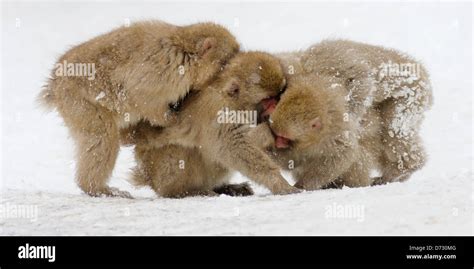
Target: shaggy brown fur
[
  {"x": 208, "y": 148},
  {"x": 323, "y": 146},
  {"x": 140, "y": 71},
  {"x": 175, "y": 171},
  {"x": 345, "y": 115}
]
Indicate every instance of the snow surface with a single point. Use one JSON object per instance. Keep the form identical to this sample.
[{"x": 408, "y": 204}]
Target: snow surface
[{"x": 38, "y": 194}]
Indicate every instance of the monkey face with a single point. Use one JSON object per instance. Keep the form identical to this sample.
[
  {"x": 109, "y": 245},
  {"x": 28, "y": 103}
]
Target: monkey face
[
  {"x": 253, "y": 77},
  {"x": 298, "y": 119}
]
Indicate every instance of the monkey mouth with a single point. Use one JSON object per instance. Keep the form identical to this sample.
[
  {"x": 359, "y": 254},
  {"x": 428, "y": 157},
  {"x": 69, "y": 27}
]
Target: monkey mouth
[
  {"x": 269, "y": 105},
  {"x": 282, "y": 142},
  {"x": 266, "y": 107}
]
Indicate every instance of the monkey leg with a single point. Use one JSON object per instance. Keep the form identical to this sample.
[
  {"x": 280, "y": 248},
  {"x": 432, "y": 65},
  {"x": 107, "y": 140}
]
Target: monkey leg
[
  {"x": 319, "y": 172},
  {"x": 358, "y": 175},
  {"x": 175, "y": 171},
  {"x": 142, "y": 133},
  {"x": 97, "y": 146},
  {"x": 403, "y": 152},
  {"x": 401, "y": 159},
  {"x": 314, "y": 178},
  {"x": 366, "y": 158}
]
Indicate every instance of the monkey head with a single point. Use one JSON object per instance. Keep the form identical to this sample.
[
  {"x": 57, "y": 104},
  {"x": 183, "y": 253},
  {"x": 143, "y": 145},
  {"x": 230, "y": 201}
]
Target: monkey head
[
  {"x": 251, "y": 78},
  {"x": 209, "y": 46},
  {"x": 305, "y": 114}
]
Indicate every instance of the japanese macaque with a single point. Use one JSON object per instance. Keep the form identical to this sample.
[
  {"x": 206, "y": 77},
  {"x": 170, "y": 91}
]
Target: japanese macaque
[
  {"x": 350, "y": 108},
  {"x": 138, "y": 73},
  {"x": 312, "y": 134},
  {"x": 208, "y": 145}
]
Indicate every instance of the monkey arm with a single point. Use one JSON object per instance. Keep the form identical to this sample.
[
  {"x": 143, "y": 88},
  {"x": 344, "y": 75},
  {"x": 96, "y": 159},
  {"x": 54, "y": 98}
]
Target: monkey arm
[
  {"x": 234, "y": 150},
  {"x": 261, "y": 136},
  {"x": 143, "y": 133}
]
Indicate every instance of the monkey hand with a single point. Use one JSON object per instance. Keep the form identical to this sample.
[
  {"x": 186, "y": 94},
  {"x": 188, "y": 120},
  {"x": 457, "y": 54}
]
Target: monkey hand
[
  {"x": 111, "y": 192},
  {"x": 284, "y": 188},
  {"x": 136, "y": 134},
  {"x": 142, "y": 133},
  {"x": 114, "y": 192},
  {"x": 261, "y": 136}
]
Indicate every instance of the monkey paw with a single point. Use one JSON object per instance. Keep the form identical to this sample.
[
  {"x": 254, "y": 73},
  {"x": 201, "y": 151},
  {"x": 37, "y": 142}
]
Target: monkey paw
[
  {"x": 286, "y": 190},
  {"x": 242, "y": 189},
  {"x": 379, "y": 181},
  {"x": 191, "y": 193},
  {"x": 111, "y": 192},
  {"x": 337, "y": 184},
  {"x": 114, "y": 192}
]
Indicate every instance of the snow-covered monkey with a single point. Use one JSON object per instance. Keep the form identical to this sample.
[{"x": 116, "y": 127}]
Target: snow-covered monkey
[{"x": 350, "y": 108}]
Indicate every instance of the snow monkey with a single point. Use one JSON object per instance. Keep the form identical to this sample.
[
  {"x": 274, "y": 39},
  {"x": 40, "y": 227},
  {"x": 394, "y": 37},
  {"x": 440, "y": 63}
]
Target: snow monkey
[
  {"x": 139, "y": 72},
  {"x": 350, "y": 108},
  {"x": 194, "y": 156},
  {"x": 312, "y": 134}
]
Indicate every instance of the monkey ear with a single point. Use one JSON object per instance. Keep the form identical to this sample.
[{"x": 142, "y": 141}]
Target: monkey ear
[
  {"x": 206, "y": 45},
  {"x": 233, "y": 89},
  {"x": 316, "y": 124}
]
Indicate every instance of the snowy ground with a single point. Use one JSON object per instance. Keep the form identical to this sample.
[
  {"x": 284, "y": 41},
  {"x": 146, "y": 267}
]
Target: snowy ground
[{"x": 37, "y": 165}]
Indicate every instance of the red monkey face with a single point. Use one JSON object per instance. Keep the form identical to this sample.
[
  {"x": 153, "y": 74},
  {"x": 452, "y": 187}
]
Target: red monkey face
[{"x": 297, "y": 119}]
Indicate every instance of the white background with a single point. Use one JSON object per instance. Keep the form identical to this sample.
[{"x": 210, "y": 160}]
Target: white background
[{"x": 37, "y": 167}]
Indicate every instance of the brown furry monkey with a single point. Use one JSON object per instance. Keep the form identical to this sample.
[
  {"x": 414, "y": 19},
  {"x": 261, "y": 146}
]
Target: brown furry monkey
[
  {"x": 338, "y": 115},
  {"x": 138, "y": 72},
  {"x": 313, "y": 136},
  {"x": 214, "y": 146},
  {"x": 350, "y": 108}
]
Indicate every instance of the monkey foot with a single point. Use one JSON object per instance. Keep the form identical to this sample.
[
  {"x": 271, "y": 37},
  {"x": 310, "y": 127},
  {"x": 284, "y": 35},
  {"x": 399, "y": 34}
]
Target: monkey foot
[
  {"x": 378, "y": 181},
  {"x": 111, "y": 192},
  {"x": 190, "y": 193},
  {"x": 336, "y": 184},
  {"x": 287, "y": 190},
  {"x": 242, "y": 189}
]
